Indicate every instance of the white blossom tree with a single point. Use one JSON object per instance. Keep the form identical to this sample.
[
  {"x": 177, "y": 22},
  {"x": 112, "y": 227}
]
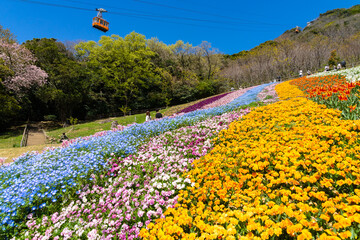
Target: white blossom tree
[{"x": 20, "y": 61}]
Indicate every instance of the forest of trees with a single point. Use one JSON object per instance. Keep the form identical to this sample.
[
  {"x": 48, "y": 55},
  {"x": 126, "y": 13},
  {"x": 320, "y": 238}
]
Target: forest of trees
[
  {"x": 286, "y": 57},
  {"x": 47, "y": 79}
]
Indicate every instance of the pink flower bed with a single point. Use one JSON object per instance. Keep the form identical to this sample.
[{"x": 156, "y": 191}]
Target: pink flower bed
[
  {"x": 228, "y": 98},
  {"x": 268, "y": 94}
]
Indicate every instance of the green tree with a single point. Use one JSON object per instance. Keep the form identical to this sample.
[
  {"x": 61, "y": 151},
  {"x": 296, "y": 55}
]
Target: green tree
[
  {"x": 122, "y": 69},
  {"x": 65, "y": 93},
  {"x": 334, "y": 58},
  {"x": 6, "y": 35},
  {"x": 9, "y": 105}
]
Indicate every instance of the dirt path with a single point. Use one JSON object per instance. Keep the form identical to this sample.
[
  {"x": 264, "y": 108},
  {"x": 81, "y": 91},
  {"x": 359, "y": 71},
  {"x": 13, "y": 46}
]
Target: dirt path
[{"x": 36, "y": 137}]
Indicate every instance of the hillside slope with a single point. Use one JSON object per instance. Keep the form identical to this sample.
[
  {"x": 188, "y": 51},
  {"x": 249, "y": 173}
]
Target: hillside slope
[
  {"x": 337, "y": 24},
  {"x": 333, "y": 37}
]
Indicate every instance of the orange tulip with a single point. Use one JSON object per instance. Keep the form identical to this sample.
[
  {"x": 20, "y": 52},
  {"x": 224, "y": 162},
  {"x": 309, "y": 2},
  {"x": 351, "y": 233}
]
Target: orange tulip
[{"x": 352, "y": 108}]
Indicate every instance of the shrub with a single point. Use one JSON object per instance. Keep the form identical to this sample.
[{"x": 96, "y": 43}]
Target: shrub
[{"x": 50, "y": 117}]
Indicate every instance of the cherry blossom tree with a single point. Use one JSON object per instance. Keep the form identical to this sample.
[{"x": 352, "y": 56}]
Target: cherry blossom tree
[{"x": 20, "y": 61}]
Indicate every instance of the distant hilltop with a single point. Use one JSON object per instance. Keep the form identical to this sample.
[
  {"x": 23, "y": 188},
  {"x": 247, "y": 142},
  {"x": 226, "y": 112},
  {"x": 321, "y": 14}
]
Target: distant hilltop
[
  {"x": 336, "y": 24},
  {"x": 331, "y": 38}
]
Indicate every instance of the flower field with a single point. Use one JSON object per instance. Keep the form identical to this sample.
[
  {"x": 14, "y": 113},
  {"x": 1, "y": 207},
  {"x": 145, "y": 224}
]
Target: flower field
[
  {"x": 293, "y": 173},
  {"x": 286, "y": 170},
  {"x": 351, "y": 74},
  {"x": 334, "y": 91},
  {"x": 40, "y": 183}
]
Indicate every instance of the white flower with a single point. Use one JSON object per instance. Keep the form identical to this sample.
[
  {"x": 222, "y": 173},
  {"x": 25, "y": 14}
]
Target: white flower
[{"x": 187, "y": 180}]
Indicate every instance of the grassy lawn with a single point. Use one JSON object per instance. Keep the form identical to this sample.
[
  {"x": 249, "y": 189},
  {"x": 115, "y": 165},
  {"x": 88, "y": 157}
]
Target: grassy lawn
[
  {"x": 11, "y": 138},
  {"x": 10, "y": 153}
]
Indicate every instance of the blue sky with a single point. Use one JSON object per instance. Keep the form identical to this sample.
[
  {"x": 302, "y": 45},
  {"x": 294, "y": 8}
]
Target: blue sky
[{"x": 230, "y": 26}]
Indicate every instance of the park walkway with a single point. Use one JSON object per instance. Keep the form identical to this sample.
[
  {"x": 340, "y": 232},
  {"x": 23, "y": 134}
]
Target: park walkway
[{"x": 36, "y": 137}]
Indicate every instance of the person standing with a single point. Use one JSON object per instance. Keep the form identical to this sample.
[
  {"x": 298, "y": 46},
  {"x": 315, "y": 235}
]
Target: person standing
[
  {"x": 158, "y": 114},
  {"x": 147, "y": 117},
  {"x": 300, "y": 73},
  {"x": 339, "y": 66},
  {"x": 343, "y": 64}
]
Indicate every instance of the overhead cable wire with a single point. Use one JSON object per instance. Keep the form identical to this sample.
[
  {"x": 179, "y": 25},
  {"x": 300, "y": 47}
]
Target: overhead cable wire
[
  {"x": 146, "y": 14},
  {"x": 205, "y": 13},
  {"x": 209, "y": 6},
  {"x": 57, "y": 5},
  {"x": 142, "y": 16}
]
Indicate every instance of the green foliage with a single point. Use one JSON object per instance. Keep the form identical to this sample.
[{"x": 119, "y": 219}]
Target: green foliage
[
  {"x": 124, "y": 109},
  {"x": 329, "y": 24},
  {"x": 12, "y": 137},
  {"x": 205, "y": 88},
  {"x": 167, "y": 101},
  {"x": 252, "y": 105},
  {"x": 4, "y": 70},
  {"x": 73, "y": 121},
  {"x": 50, "y": 117},
  {"x": 122, "y": 68},
  {"x": 9, "y": 105},
  {"x": 342, "y": 12},
  {"x": 354, "y": 10},
  {"x": 67, "y": 85},
  {"x": 115, "y": 74},
  {"x": 234, "y": 56},
  {"x": 334, "y": 59},
  {"x": 9, "y": 108},
  {"x": 6, "y": 35}
]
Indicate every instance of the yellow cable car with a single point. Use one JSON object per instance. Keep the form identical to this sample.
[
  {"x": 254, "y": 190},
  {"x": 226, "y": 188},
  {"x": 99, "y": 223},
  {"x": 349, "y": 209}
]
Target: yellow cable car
[{"x": 99, "y": 22}]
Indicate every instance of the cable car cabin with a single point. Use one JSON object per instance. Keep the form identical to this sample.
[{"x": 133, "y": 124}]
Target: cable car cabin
[{"x": 100, "y": 24}]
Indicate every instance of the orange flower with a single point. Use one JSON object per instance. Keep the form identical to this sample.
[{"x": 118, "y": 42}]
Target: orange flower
[
  {"x": 352, "y": 108},
  {"x": 342, "y": 97}
]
